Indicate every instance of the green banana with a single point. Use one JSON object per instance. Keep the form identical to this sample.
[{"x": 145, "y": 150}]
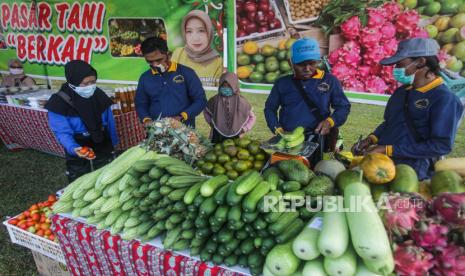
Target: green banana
[
  {"x": 294, "y": 143},
  {"x": 294, "y": 135}
]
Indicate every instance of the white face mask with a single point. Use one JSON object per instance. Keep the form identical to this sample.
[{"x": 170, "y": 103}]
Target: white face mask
[
  {"x": 85, "y": 91},
  {"x": 16, "y": 71},
  {"x": 161, "y": 68}
]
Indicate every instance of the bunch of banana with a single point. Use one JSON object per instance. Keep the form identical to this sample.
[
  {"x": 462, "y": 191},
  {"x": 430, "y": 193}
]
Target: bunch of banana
[{"x": 292, "y": 139}]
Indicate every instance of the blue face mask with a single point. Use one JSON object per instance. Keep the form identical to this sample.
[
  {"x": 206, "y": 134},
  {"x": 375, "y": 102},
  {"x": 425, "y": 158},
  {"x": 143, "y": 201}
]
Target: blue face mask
[
  {"x": 226, "y": 91},
  {"x": 85, "y": 91},
  {"x": 400, "y": 76}
]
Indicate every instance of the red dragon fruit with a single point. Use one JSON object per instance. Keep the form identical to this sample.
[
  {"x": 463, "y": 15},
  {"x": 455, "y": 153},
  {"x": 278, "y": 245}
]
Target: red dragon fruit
[
  {"x": 370, "y": 37},
  {"x": 376, "y": 18},
  {"x": 390, "y": 10},
  {"x": 451, "y": 208},
  {"x": 400, "y": 214},
  {"x": 354, "y": 84},
  {"x": 363, "y": 71},
  {"x": 411, "y": 260},
  {"x": 388, "y": 31},
  {"x": 333, "y": 57},
  {"x": 376, "y": 85},
  {"x": 390, "y": 46},
  {"x": 450, "y": 261},
  {"x": 343, "y": 71},
  {"x": 407, "y": 22},
  {"x": 351, "y": 28},
  {"x": 430, "y": 234},
  {"x": 374, "y": 55}
]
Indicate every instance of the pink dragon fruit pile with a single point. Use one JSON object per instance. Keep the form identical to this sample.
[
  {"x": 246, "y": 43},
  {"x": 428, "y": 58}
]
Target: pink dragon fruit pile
[
  {"x": 356, "y": 63},
  {"x": 429, "y": 237}
]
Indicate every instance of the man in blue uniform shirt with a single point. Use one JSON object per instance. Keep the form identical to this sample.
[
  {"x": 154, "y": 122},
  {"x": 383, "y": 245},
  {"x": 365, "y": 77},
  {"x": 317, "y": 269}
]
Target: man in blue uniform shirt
[
  {"x": 421, "y": 117},
  {"x": 167, "y": 89},
  {"x": 322, "y": 90}
]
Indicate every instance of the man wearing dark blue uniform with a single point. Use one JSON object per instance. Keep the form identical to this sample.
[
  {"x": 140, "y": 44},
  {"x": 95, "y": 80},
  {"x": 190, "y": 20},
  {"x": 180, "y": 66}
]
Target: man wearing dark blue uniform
[
  {"x": 167, "y": 89},
  {"x": 286, "y": 108},
  {"x": 421, "y": 117}
]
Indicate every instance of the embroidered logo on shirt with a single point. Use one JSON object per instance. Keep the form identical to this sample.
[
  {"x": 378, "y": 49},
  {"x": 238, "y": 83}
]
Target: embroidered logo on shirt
[
  {"x": 324, "y": 87},
  {"x": 422, "y": 103},
  {"x": 178, "y": 79}
]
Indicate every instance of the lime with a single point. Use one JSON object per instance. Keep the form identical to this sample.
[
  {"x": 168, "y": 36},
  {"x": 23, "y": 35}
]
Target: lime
[
  {"x": 256, "y": 77},
  {"x": 271, "y": 77},
  {"x": 243, "y": 59},
  {"x": 272, "y": 65},
  {"x": 284, "y": 66},
  {"x": 258, "y": 58},
  {"x": 432, "y": 8},
  {"x": 411, "y": 4},
  {"x": 450, "y": 6},
  {"x": 260, "y": 67},
  {"x": 282, "y": 55}
]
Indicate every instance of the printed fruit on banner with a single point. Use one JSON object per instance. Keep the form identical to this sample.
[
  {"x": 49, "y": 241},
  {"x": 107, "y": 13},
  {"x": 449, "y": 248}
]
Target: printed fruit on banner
[
  {"x": 255, "y": 16},
  {"x": 263, "y": 61}
]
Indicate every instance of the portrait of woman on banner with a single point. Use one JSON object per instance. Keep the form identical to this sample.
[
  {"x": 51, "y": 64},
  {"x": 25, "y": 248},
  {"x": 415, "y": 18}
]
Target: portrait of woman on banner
[{"x": 198, "y": 54}]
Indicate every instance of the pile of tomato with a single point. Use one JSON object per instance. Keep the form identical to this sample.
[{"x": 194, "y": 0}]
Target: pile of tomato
[{"x": 36, "y": 219}]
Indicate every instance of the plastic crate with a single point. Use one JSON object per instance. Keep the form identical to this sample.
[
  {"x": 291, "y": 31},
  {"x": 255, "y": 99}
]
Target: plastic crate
[
  {"x": 294, "y": 21},
  {"x": 455, "y": 85},
  {"x": 35, "y": 243}
]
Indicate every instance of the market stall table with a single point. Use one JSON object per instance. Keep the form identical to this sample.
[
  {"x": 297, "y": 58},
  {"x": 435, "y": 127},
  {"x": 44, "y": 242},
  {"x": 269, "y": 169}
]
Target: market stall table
[
  {"x": 89, "y": 251},
  {"x": 24, "y": 127}
]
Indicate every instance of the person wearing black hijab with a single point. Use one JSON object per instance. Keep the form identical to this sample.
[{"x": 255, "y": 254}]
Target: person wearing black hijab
[{"x": 80, "y": 116}]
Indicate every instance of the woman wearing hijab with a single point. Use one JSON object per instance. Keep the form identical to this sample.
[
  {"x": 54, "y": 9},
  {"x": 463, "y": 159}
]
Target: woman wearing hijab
[
  {"x": 81, "y": 118},
  {"x": 228, "y": 113},
  {"x": 198, "y": 54},
  {"x": 16, "y": 78}
]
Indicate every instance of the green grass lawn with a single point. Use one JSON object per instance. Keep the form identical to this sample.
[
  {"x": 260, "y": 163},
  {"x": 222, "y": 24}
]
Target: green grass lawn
[{"x": 28, "y": 176}]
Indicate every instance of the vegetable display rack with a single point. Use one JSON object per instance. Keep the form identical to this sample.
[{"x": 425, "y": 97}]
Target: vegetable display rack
[{"x": 34, "y": 242}]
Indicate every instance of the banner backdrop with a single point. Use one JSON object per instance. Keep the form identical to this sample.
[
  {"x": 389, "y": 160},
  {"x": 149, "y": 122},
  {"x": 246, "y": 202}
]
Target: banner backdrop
[{"x": 107, "y": 34}]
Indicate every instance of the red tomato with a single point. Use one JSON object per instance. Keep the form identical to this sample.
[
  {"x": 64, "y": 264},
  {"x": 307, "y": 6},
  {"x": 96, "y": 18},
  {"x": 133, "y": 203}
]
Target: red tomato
[
  {"x": 51, "y": 237},
  {"x": 45, "y": 226},
  {"x": 35, "y": 217},
  {"x": 43, "y": 219},
  {"x": 37, "y": 225},
  {"x": 34, "y": 207},
  {"x": 30, "y": 223},
  {"x": 40, "y": 232},
  {"x": 47, "y": 232},
  {"x": 13, "y": 221},
  {"x": 23, "y": 226},
  {"x": 21, "y": 217},
  {"x": 27, "y": 214},
  {"x": 52, "y": 198}
]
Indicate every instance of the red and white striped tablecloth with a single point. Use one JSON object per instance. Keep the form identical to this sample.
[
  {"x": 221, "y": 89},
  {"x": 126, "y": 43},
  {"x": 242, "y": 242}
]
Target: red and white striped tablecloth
[{"x": 23, "y": 127}]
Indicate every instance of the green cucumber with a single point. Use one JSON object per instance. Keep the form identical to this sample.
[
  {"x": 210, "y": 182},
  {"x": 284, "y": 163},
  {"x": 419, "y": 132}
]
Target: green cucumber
[
  {"x": 286, "y": 219},
  {"x": 208, "y": 207},
  {"x": 292, "y": 231},
  {"x": 249, "y": 204},
  {"x": 248, "y": 183},
  {"x": 211, "y": 185},
  {"x": 220, "y": 195},
  {"x": 249, "y": 217}
]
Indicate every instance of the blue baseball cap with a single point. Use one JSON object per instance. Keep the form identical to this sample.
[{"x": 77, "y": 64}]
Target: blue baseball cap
[
  {"x": 305, "y": 49},
  {"x": 415, "y": 47}
]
